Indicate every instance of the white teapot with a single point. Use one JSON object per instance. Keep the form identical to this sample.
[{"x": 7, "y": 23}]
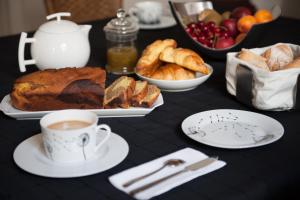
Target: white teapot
[{"x": 57, "y": 44}]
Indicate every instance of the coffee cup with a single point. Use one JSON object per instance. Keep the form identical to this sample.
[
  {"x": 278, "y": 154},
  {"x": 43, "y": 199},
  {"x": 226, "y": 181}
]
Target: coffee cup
[
  {"x": 72, "y": 135},
  {"x": 147, "y": 12}
]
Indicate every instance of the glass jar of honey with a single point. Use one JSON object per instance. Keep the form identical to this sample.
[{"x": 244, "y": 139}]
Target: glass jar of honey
[{"x": 121, "y": 35}]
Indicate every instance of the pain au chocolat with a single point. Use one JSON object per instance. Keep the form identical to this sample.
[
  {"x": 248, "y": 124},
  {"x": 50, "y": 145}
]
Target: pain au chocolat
[{"x": 53, "y": 89}]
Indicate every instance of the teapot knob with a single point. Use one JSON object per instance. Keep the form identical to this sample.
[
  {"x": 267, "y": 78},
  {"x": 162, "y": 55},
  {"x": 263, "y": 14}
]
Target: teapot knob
[{"x": 58, "y": 15}]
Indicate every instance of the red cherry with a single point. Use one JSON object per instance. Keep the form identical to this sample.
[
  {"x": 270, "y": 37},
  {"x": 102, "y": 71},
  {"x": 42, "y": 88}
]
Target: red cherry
[
  {"x": 217, "y": 31},
  {"x": 211, "y": 25},
  {"x": 210, "y": 35},
  {"x": 201, "y": 38},
  {"x": 189, "y": 30},
  {"x": 202, "y": 41},
  {"x": 200, "y": 24},
  {"x": 194, "y": 38},
  {"x": 210, "y": 43},
  {"x": 197, "y": 31},
  {"x": 224, "y": 35},
  {"x": 205, "y": 29},
  {"x": 192, "y": 26}
]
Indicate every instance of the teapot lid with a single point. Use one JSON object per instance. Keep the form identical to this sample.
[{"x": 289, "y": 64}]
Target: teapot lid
[
  {"x": 121, "y": 25},
  {"x": 59, "y": 25}
]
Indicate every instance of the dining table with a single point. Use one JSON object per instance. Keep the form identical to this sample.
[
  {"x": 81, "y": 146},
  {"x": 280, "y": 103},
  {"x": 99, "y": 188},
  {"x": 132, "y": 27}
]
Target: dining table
[{"x": 266, "y": 172}]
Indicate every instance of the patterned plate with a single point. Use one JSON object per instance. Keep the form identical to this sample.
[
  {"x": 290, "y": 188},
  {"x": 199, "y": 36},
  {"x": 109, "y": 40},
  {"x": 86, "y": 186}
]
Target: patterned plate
[{"x": 232, "y": 129}]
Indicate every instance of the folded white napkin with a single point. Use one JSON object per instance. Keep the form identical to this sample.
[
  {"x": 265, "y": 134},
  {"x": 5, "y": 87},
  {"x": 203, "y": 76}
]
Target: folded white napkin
[{"x": 189, "y": 155}]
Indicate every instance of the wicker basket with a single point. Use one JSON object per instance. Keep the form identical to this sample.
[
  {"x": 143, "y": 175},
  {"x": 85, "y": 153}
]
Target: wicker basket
[{"x": 84, "y": 10}]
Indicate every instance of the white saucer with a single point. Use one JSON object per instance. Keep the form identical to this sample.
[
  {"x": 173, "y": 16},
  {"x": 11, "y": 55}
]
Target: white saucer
[
  {"x": 165, "y": 22},
  {"x": 30, "y": 156},
  {"x": 232, "y": 129}
]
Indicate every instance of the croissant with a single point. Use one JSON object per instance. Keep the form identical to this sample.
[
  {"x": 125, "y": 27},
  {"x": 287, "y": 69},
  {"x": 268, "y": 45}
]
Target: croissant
[
  {"x": 149, "y": 60},
  {"x": 172, "y": 72},
  {"x": 185, "y": 58}
]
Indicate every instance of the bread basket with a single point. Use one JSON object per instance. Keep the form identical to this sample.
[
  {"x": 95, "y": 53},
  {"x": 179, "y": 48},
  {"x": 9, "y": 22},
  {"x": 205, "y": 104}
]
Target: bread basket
[
  {"x": 186, "y": 12},
  {"x": 264, "y": 90}
]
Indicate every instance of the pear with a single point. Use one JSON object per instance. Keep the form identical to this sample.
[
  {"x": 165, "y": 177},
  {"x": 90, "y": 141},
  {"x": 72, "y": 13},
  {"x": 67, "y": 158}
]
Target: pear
[{"x": 208, "y": 15}]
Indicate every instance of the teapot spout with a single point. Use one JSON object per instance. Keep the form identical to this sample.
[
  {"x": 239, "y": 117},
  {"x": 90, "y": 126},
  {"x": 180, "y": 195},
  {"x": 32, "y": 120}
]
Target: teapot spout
[{"x": 85, "y": 29}]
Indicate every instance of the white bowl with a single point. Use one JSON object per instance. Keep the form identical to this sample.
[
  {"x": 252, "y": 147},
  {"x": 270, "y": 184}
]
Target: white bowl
[{"x": 179, "y": 85}]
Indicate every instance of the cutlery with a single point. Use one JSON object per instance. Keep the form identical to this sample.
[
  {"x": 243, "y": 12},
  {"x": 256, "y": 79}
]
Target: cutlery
[
  {"x": 171, "y": 163},
  {"x": 193, "y": 167}
]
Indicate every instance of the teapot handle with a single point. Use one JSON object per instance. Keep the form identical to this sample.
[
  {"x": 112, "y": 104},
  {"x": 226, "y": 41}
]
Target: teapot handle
[{"x": 22, "y": 61}]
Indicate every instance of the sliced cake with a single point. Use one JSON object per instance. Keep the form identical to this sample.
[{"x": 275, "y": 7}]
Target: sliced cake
[
  {"x": 141, "y": 89},
  {"x": 152, "y": 94},
  {"x": 119, "y": 93}
]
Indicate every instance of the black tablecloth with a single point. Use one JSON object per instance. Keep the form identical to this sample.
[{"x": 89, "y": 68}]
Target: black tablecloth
[{"x": 267, "y": 172}]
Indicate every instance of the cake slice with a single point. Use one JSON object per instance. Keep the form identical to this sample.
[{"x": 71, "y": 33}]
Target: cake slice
[
  {"x": 141, "y": 89},
  {"x": 152, "y": 94},
  {"x": 119, "y": 93}
]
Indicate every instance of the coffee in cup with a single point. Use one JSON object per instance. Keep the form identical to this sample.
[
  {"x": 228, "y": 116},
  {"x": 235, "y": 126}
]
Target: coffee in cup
[
  {"x": 72, "y": 135},
  {"x": 69, "y": 125}
]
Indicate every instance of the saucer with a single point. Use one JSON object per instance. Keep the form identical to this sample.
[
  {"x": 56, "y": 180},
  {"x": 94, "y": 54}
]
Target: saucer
[
  {"x": 30, "y": 156},
  {"x": 165, "y": 22}
]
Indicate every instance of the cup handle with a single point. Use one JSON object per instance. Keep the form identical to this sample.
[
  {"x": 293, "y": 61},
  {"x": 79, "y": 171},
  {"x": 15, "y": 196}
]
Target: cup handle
[
  {"x": 107, "y": 131},
  {"x": 22, "y": 61}
]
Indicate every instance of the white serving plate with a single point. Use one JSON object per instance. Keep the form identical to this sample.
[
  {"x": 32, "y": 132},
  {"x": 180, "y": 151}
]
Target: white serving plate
[
  {"x": 179, "y": 85},
  {"x": 232, "y": 129},
  {"x": 9, "y": 110}
]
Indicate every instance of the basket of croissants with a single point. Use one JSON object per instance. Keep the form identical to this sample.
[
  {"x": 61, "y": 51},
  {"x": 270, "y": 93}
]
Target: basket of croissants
[{"x": 266, "y": 78}]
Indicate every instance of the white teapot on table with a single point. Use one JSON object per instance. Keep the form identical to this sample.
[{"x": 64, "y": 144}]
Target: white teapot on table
[{"x": 57, "y": 44}]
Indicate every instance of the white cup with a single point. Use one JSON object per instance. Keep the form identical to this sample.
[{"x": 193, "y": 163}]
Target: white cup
[
  {"x": 147, "y": 12},
  {"x": 73, "y": 145}
]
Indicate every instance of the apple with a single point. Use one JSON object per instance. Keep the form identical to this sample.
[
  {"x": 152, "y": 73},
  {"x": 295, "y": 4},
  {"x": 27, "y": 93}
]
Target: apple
[
  {"x": 239, "y": 12},
  {"x": 231, "y": 26},
  {"x": 223, "y": 43}
]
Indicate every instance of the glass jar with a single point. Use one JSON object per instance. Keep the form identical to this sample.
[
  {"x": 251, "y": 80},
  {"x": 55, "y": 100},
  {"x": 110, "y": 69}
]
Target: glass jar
[{"x": 121, "y": 35}]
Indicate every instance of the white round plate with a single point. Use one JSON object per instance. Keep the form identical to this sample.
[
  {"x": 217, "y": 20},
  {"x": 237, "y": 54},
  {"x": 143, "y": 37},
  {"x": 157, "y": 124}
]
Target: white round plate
[
  {"x": 30, "y": 156},
  {"x": 165, "y": 22},
  {"x": 232, "y": 129},
  {"x": 179, "y": 85}
]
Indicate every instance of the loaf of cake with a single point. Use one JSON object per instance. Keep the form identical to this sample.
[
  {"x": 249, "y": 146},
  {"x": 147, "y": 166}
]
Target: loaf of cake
[{"x": 54, "y": 89}]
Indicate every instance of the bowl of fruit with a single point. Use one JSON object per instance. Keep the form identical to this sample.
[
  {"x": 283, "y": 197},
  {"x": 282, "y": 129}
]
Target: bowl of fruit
[{"x": 224, "y": 25}]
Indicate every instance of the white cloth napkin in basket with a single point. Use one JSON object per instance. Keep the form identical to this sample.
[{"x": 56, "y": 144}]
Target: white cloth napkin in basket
[{"x": 189, "y": 155}]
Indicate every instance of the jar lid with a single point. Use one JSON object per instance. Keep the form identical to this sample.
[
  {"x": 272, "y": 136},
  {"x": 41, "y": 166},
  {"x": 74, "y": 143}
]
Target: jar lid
[
  {"x": 59, "y": 25},
  {"x": 121, "y": 25}
]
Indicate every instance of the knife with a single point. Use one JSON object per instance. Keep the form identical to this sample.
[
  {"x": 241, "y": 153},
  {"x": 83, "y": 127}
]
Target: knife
[{"x": 193, "y": 167}]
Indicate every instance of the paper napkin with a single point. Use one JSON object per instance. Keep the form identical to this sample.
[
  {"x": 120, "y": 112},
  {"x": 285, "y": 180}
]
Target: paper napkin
[{"x": 189, "y": 155}]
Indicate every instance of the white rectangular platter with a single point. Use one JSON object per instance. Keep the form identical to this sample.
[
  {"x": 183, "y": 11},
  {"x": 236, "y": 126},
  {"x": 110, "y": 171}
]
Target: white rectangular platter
[{"x": 9, "y": 110}]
